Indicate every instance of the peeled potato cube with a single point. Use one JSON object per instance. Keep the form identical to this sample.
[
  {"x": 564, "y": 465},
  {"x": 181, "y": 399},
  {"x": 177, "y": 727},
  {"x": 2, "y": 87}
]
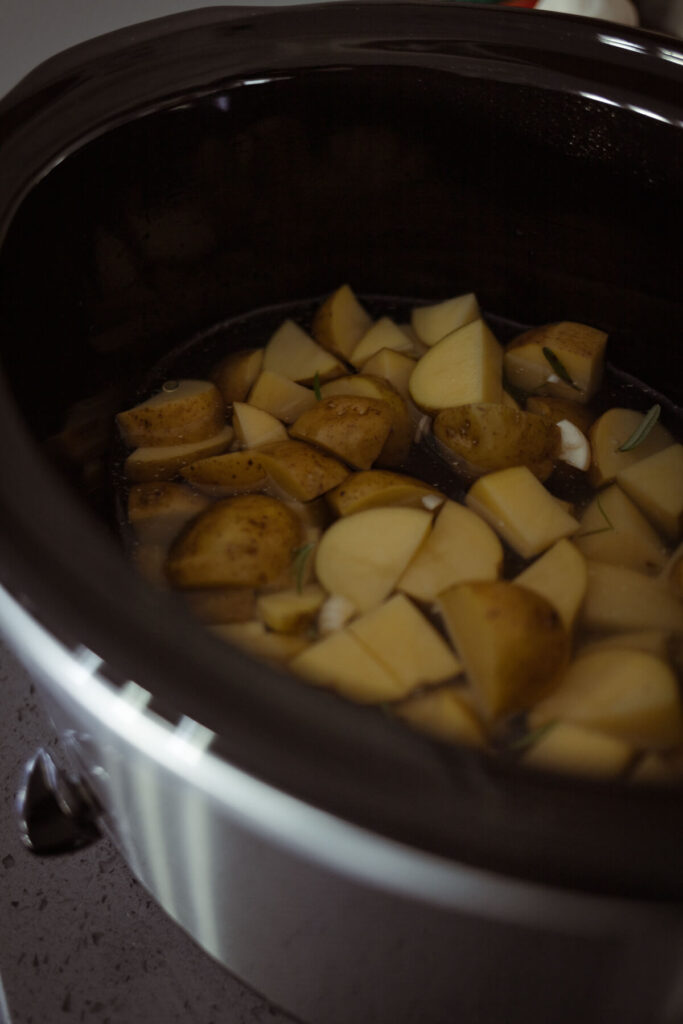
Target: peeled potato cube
[
  {"x": 614, "y": 530},
  {"x": 221, "y": 605},
  {"x": 350, "y": 427},
  {"x": 292, "y": 353},
  {"x": 362, "y": 556},
  {"x": 164, "y": 461},
  {"x": 234, "y": 375},
  {"x": 341, "y": 322},
  {"x": 465, "y": 366},
  {"x": 394, "y": 367},
  {"x": 399, "y": 636},
  {"x": 182, "y": 412},
  {"x": 460, "y": 547},
  {"x": 157, "y": 511},
  {"x": 511, "y": 641},
  {"x": 443, "y": 714},
  {"x": 291, "y": 611},
  {"x": 573, "y": 749},
  {"x": 374, "y": 488},
  {"x": 612, "y": 430},
  {"x": 254, "y": 427},
  {"x": 383, "y": 334},
  {"x": 434, "y": 322},
  {"x": 561, "y": 576},
  {"x": 520, "y": 509},
  {"x": 557, "y": 409},
  {"x": 619, "y": 599},
  {"x": 656, "y": 485},
  {"x": 341, "y": 663},
  {"x": 628, "y": 694},
  {"x": 282, "y": 398},
  {"x": 245, "y": 541},
  {"x": 224, "y": 475},
  {"x": 254, "y": 638},
  {"x": 579, "y": 348},
  {"x": 299, "y": 470}
]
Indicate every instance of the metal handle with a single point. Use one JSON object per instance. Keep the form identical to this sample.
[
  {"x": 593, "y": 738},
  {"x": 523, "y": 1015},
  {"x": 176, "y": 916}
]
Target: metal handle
[{"x": 57, "y": 811}]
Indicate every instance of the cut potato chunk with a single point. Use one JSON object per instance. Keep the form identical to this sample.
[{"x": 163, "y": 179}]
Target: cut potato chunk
[
  {"x": 231, "y": 473},
  {"x": 238, "y": 542},
  {"x": 300, "y": 470},
  {"x": 557, "y": 409},
  {"x": 351, "y": 427},
  {"x": 511, "y": 641},
  {"x": 234, "y": 375},
  {"x": 383, "y": 334},
  {"x": 375, "y": 488},
  {"x": 157, "y": 511},
  {"x": 291, "y": 611},
  {"x": 362, "y": 556},
  {"x": 394, "y": 367},
  {"x": 341, "y": 322},
  {"x": 610, "y": 432},
  {"x": 460, "y": 547},
  {"x": 182, "y": 412},
  {"x": 397, "y": 445},
  {"x": 656, "y": 485},
  {"x": 292, "y": 353},
  {"x": 254, "y": 427},
  {"x": 399, "y": 636},
  {"x": 341, "y": 663},
  {"x": 614, "y": 531},
  {"x": 486, "y": 436},
  {"x": 255, "y": 638},
  {"x": 570, "y": 748},
  {"x": 444, "y": 714},
  {"x": 221, "y": 605},
  {"x": 578, "y": 348},
  {"x": 628, "y": 694},
  {"x": 561, "y": 576},
  {"x": 653, "y": 641},
  {"x": 432, "y": 323},
  {"x": 163, "y": 462},
  {"x": 620, "y": 599},
  {"x": 520, "y": 509},
  {"x": 463, "y": 367},
  {"x": 281, "y": 397}
]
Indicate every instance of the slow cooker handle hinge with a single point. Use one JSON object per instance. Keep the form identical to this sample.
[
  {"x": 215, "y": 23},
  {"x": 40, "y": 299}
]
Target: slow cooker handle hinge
[{"x": 58, "y": 812}]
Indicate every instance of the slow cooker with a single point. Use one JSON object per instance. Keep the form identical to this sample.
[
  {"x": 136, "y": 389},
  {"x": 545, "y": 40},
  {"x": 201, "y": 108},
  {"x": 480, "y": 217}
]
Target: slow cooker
[{"x": 162, "y": 181}]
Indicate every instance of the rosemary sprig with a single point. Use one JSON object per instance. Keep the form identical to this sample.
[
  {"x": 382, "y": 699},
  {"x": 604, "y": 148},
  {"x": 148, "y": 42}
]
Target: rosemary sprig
[
  {"x": 641, "y": 431},
  {"x": 300, "y": 557},
  {"x": 316, "y": 387},
  {"x": 559, "y": 368},
  {"x": 600, "y": 529},
  {"x": 530, "y": 739}
]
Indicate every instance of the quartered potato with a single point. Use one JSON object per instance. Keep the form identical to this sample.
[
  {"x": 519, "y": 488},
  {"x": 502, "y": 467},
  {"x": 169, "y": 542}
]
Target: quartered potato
[
  {"x": 234, "y": 376},
  {"x": 561, "y": 576},
  {"x": 621, "y": 599},
  {"x": 383, "y": 334},
  {"x": 340, "y": 323},
  {"x": 577, "y": 351},
  {"x": 291, "y": 611},
  {"x": 256, "y": 639},
  {"x": 397, "y": 445},
  {"x": 341, "y": 663},
  {"x": 254, "y": 427},
  {"x": 376, "y": 487},
  {"x": 394, "y": 367},
  {"x": 281, "y": 397},
  {"x": 223, "y": 475},
  {"x": 299, "y": 470},
  {"x": 434, "y": 322},
  {"x": 557, "y": 409},
  {"x": 351, "y": 427},
  {"x": 164, "y": 461},
  {"x": 613, "y": 430},
  {"x": 292, "y": 353},
  {"x": 181, "y": 413},
  {"x": 614, "y": 530},
  {"x": 158, "y": 511},
  {"x": 656, "y": 485},
  {"x": 443, "y": 713},
  {"x": 573, "y": 749},
  {"x": 464, "y": 367}
]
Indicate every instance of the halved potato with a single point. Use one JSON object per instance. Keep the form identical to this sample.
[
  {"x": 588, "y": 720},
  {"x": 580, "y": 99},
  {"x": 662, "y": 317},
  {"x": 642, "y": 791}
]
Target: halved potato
[
  {"x": 561, "y": 576},
  {"x": 341, "y": 663},
  {"x": 244, "y": 541},
  {"x": 157, "y": 511},
  {"x": 619, "y": 599},
  {"x": 351, "y": 427},
  {"x": 340, "y": 322},
  {"x": 281, "y": 397},
  {"x": 570, "y": 748},
  {"x": 221, "y": 605},
  {"x": 613, "y": 530},
  {"x": 625, "y": 693},
  {"x": 362, "y": 556},
  {"x": 465, "y": 366},
  {"x": 383, "y": 334},
  {"x": 444, "y": 714},
  {"x": 234, "y": 375},
  {"x": 182, "y": 412},
  {"x": 397, "y": 445},
  {"x": 164, "y": 461},
  {"x": 511, "y": 641},
  {"x": 580, "y": 350},
  {"x": 255, "y": 638},
  {"x": 434, "y": 322},
  {"x": 394, "y": 367},
  {"x": 374, "y": 488},
  {"x": 486, "y": 436},
  {"x": 254, "y": 427},
  {"x": 557, "y": 409},
  {"x": 291, "y": 353},
  {"x": 656, "y": 485},
  {"x": 291, "y": 611},
  {"x": 610, "y": 432},
  {"x": 232, "y": 473},
  {"x": 460, "y": 547},
  {"x": 299, "y": 470}
]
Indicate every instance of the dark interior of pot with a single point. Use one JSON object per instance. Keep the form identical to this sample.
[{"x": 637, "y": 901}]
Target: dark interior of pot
[{"x": 472, "y": 159}]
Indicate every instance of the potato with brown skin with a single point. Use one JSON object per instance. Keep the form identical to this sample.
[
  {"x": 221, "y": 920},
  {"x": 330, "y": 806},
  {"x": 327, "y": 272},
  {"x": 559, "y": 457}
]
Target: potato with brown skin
[
  {"x": 299, "y": 470},
  {"x": 162, "y": 462},
  {"x": 612, "y": 430},
  {"x": 349, "y": 427},
  {"x": 488, "y": 436},
  {"x": 532, "y": 358},
  {"x": 340, "y": 322},
  {"x": 180, "y": 413},
  {"x": 396, "y": 448},
  {"x": 158, "y": 511},
  {"x": 246, "y": 541},
  {"x": 224, "y": 475},
  {"x": 556, "y": 409},
  {"x": 432, "y": 323},
  {"x": 374, "y": 488},
  {"x": 234, "y": 376}
]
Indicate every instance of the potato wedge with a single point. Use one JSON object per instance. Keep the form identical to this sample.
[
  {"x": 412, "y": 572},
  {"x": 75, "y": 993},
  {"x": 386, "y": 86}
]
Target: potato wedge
[
  {"x": 511, "y": 641},
  {"x": 627, "y": 694},
  {"x": 221, "y": 605},
  {"x": 224, "y": 475},
  {"x": 620, "y": 600},
  {"x": 561, "y": 576},
  {"x": 612, "y": 430},
  {"x": 520, "y": 510},
  {"x": 486, "y": 436},
  {"x": 570, "y": 748},
  {"x": 182, "y": 412},
  {"x": 580, "y": 350},
  {"x": 341, "y": 663},
  {"x": 443, "y": 714},
  {"x": 384, "y": 333},
  {"x": 557, "y": 409},
  {"x": 234, "y": 376},
  {"x": 465, "y": 366},
  {"x": 291, "y": 611},
  {"x": 164, "y": 461},
  {"x": 375, "y": 488},
  {"x": 340, "y": 323},
  {"x": 255, "y": 638},
  {"x": 362, "y": 556},
  {"x": 397, "y": 445},
  {"x": 614, "y": 530},
  {"x": 282, "y": 398},
  {"x": 300, "y": 471},
  {"x": 655, "y": 484},
  {"x": 394, "y": 367},
  {"x": 158, "y": 511},
  {"x": 245, "y": 541},
  {"x": 349, "y": 427},
  {"x": 254, "y": 427},
  {"x": 432, "y": 323},
  {"x": 460, "y": 547},
  {"x": 291, "y": 353}
]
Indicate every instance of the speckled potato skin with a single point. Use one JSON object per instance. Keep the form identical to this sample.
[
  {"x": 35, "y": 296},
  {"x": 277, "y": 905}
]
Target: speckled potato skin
[
  {"x": 351, "y": 427},
  {"x": 236, "y": 373},
  {"x": 176, "y": 421},
  {"x": 245, "y": 541},
  {"x": 488, "y": 436},
  {"x": 299, "y": 469}
]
